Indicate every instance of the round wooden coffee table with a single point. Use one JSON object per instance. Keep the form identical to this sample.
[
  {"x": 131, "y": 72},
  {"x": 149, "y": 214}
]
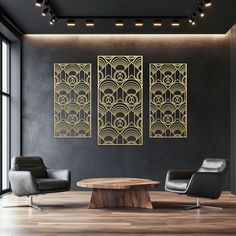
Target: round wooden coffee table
[{"x": 119, "y": 192}]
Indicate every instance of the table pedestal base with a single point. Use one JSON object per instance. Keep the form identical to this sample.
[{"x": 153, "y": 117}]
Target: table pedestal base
[{"x": 105, "y": 198}]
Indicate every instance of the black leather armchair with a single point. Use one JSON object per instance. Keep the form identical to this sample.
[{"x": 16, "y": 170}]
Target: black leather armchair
[
  {"x": 206, "y": 182},
  {"x": 29, "y": 176}
]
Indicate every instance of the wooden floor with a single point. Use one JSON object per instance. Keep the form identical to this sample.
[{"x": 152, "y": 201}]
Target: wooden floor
[{"x": 67, "y": 214}]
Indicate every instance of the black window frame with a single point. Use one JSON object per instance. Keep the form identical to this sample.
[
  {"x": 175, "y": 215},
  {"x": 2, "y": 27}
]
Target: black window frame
[{"x": 8, "y": 95}]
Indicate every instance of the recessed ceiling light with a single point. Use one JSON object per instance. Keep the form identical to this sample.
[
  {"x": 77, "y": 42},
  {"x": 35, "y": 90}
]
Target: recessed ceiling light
[
  {"x": 175, "y": 23},
  {"x": 157, "y": 23},
  {"x": 139, "y": 23},
  {"x": 119, "y": 23},
  {"x": 90, "y": 23},
  {"x": 38, "y": 3},
  {"x": 71, "y": 23}
]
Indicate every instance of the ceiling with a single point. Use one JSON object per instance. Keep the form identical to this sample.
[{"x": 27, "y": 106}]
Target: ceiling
[
  {"x": 219, "y": 18},
  {"x": 124, "y": 7}
]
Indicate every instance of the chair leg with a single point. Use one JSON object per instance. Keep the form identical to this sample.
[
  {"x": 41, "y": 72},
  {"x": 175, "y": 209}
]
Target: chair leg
[
  {"x": 31, "y": 204},
  {"x": 34, "y": 205},
  {"x": 192, "y": 208},
  {"x": 198, "y": 206},
  {"x": 212, "y": 207}
]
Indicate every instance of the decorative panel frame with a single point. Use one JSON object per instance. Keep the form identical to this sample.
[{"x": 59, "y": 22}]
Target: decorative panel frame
[
  {"x": 168, "y": 100},
  {"x": 120, "y": 100},
  {"x": 72, "y": 100}
]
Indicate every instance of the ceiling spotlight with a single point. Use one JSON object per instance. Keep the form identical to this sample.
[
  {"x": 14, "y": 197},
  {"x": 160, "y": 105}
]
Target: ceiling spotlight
[
  {"x": 71, "y": 23},
  {"x": 45, "y": 11},
  {"x": 175, "y": 23},
  {"x": 138, "y": 23},
  {"x": 53, "y": 19},
  {"x": 157, "y": 23},
  {"x": 119, "y": 23},
  {"x": 90, "y": 23},
  {"x": 38, "y": 3},
  {"x": 190, "y": 20},
  {"x": 193, "y": 22},
  {"x": 207, "y": 3}
]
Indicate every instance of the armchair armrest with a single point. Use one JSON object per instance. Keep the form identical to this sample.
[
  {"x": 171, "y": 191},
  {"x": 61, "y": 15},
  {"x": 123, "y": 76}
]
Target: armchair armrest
[
  {"x": 179, "y": 174},
  {"x": 63, "y": 174},
  {"x": 206, "y": 184},
  {"x": 22, "y": 183}
]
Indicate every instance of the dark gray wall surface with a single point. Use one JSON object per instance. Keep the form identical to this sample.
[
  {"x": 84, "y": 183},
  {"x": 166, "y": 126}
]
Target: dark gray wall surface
[
  {"x": 208, "y": 59},
  {"x": 233, "y": 109},
  {"x": 15, "y": 98}
]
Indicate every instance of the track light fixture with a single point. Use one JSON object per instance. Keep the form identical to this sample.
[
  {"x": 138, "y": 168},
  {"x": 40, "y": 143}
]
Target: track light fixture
[
  {"x": 138, "y": 23},
  {"x": 71, "y": 23},
  {"x": 192, "y": 21},
  {"x": 207, "y": 3},
  {"x": 45, "y": 11},
  {"x": 157, "y": 23},
  {"x": 119, "y": 23},
  {"x": 53, "y": 19},
  {"x": 38, "y": 3},
  {"x": 201, "y": 12}
]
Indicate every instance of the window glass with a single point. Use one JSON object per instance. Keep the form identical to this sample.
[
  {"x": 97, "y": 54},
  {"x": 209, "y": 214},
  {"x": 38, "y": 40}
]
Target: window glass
[
  {"x": 5, "y": 142},
  {"x": 5, "y": 115},
  {"x": 5, "y": 67}
]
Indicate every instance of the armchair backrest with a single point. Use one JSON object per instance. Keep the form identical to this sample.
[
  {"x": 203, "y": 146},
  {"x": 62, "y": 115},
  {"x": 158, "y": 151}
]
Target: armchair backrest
[
  {"x": 209, "y": 180},
  {"x": 33, "y": 164},
  {"x": 213, "y": 165}
]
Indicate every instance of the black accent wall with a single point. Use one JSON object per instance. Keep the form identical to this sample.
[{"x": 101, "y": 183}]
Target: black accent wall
[
  {"x": 208, "y": 59},
  {"x": 233, "y": 109}
]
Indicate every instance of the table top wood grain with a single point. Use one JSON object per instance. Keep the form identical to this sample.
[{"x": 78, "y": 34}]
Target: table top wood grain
[{"x": 117, "y": 183}]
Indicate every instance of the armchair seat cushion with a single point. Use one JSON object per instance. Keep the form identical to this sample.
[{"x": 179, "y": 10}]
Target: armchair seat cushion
[
  {"x": 47, "y": 184},
  {"x": 177, "y": 184}
]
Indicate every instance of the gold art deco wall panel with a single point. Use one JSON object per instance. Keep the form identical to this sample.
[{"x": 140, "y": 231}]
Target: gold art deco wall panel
[
  {"x": 120, "y": 100},
  {"x": 167, "y": 100},
  {"x": 72, "y": 100}
]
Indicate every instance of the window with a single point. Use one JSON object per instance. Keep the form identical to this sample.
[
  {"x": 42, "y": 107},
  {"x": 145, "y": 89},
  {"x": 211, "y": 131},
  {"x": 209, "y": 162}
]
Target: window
[{"x": 5, "y": 114}]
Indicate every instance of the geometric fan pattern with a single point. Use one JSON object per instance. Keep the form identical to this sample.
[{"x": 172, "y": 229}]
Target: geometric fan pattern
[
  {"x": 72, "y": 100},
  {"x": 167, "y": 100},
  {"x": 120, "y": 100}
]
